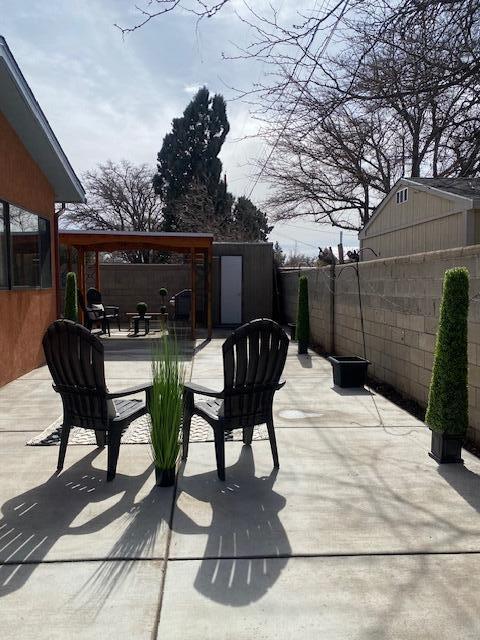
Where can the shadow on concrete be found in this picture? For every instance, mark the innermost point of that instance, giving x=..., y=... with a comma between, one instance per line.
x=127, y=349
x=34, y=521
x=465, y=482
x=247, y=547
x=351, y=391
x=305, y=360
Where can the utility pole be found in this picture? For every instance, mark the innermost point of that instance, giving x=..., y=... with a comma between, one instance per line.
x=340, y=249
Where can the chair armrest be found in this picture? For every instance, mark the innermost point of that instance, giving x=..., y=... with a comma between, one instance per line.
x=130, y=391
x=192, y=387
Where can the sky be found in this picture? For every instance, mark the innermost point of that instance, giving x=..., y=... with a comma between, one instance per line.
x=109, y=96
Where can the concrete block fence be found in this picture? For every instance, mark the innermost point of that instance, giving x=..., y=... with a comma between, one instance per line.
x=401, y=304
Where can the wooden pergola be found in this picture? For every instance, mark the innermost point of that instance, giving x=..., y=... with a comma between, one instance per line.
x=192, y=244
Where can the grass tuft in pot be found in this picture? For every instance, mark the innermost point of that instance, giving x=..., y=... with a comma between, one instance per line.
x=165, y=405
x=447, y=412
x=70, y=311
x=303, y=320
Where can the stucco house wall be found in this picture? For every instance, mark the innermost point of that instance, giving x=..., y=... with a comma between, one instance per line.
x=24, y=313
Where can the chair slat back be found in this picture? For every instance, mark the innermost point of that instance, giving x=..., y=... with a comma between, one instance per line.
x=93, y=296
x=253, y=360
x=75, y=359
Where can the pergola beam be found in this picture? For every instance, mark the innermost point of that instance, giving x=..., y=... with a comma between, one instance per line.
x=191, y=244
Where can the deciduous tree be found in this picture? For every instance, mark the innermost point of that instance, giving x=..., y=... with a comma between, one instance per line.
x=120, y=197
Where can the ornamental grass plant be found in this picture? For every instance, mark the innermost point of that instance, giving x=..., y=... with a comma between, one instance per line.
x=165, y=402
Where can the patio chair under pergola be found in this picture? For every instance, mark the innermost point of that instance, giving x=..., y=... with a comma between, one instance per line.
x=191, y=244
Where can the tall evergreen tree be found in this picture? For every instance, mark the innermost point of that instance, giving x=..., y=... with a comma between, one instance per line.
x=190, y=152
x=251, y=222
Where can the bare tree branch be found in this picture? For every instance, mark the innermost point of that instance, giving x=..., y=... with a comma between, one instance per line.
x=120, y=197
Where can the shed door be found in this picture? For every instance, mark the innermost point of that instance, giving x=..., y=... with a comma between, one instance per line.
x=231, y=290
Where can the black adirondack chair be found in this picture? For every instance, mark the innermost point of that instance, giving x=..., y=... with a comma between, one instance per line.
x=107, y=312
x=182, y=304
x=93, y=319
x=76, y=362
x=253, y=361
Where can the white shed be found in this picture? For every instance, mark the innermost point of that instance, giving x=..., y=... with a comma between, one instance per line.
x=424, y=214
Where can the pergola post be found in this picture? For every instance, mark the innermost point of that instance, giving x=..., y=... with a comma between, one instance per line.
x=189, y=244
x=193, y=305
x=81, y=274
x=97, y=271
x=208, y=276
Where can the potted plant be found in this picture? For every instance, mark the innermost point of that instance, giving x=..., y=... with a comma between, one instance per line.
x=163, y=294
x=142, y=308
x=447, y=411
x=303, y=320
x=165, y=403
x=163, y=317
x=70, y=311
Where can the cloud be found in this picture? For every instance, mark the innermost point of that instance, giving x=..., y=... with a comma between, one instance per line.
x=193, y=88
x=112, y=97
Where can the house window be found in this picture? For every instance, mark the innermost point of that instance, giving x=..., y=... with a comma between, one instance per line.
x=26, y=249
x=45, y=253
x=402, y=195
x=3, y=248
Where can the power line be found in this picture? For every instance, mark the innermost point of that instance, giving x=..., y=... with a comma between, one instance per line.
x=284, y=88
x=307, y=244
x=345, y=233
x=287, y=121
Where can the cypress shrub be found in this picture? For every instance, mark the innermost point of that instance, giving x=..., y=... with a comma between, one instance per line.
x=447, y=410
x=303, y=322
x=70, y=311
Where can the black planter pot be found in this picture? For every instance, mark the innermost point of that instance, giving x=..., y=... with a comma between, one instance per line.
x=164, y=477
x=446, y=448
x=349, y=371
x=302, y=347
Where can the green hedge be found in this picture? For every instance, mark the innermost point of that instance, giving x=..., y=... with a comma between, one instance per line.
x=303, y=320
x=447, y=410
x=70, y=311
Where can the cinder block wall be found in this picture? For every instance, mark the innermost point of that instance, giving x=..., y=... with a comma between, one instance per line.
x=126, y=284
x=401, y=303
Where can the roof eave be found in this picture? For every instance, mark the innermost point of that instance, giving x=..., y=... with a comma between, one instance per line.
x=27, y=119
x=444, y=193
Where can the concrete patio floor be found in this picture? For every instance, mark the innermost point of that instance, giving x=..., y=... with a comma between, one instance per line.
x=358, y=535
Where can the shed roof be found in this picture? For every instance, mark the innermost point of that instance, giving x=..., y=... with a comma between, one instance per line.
x=20, y=108
x=465, y=187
